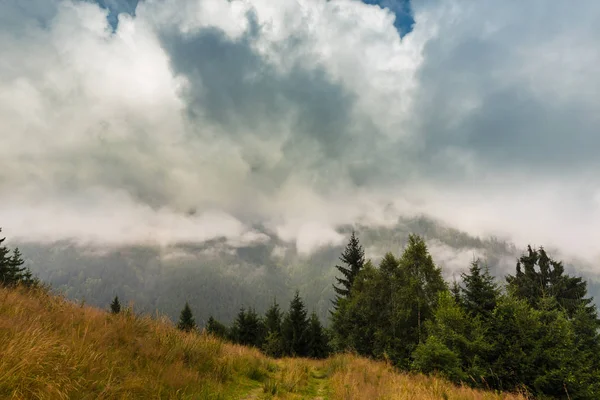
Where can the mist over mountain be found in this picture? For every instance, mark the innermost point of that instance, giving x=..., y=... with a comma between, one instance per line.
x=218, y=279
x=212, y=148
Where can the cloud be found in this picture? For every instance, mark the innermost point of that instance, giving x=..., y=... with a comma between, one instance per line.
x=298, y=115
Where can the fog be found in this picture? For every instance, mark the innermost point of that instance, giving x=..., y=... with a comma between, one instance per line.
x=188, y=120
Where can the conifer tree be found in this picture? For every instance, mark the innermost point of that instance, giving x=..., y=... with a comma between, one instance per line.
x=186, y=319
x=216, y=328
x=273, y=342
x=538, y=276
x=353, y=257
x=12, y=271
x=273, y=345
x=273, y=318
x=247, y=328
x=425, y=279
x=456, y=292
x=294, y=328
x=115, y=306
x=480, y=292
x=21, y=275
x=317, y=340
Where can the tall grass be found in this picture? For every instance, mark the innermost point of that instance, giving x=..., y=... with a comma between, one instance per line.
x=352, y=377
x=51, y=348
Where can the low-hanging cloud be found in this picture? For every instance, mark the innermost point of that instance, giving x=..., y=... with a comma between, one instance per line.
x=195, y=119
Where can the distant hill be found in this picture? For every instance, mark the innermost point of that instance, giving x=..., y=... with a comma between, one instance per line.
x=217, y=279
x=52, y=348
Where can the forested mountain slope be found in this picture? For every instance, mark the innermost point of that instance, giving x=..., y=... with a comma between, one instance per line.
x=217, y=279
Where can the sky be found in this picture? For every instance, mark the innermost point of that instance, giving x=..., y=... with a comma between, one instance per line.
x=184, y=120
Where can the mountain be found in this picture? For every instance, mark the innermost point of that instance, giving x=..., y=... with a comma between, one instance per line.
x=217, y=278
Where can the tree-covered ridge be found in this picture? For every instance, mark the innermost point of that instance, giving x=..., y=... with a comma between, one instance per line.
x=539, y=333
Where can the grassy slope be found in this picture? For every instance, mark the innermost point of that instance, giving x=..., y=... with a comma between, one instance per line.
x=53, y=349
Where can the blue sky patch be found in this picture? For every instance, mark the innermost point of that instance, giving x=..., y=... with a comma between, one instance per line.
x=116, y=7
x=404, y=16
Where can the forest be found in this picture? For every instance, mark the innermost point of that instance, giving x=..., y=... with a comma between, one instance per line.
x=536, y=332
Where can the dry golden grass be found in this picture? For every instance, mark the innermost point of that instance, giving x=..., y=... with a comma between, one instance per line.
x=352, y=378
x=51, y=348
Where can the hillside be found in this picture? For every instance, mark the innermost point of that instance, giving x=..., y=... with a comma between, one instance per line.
x=55, y=349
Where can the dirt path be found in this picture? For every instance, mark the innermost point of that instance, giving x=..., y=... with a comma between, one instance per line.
x=320, y=383
x=316, y=389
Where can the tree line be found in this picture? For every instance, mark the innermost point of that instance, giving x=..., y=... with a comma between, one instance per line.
x=12, y=271
x=277, y=333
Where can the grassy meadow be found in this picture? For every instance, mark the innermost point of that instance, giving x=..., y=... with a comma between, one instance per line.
x=51, y=348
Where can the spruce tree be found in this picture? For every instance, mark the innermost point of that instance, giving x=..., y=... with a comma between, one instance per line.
x=273, y=342
x=294, y=328
x=480, y=292
x=115, y=306
x=273, y=319
x=186, y=319
x=317, y=340
x=12, y=271
x=538, y=276
x=4, y=263
x=21, y=275
x=247, y=328
x=455, y=289
x=353, y=257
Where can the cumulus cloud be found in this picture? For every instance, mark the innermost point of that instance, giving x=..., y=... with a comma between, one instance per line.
x=195, y=119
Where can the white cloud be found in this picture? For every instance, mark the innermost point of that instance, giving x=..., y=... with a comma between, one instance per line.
x=301, y=115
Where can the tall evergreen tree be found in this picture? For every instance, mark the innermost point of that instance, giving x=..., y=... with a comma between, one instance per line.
x=12, y=271
x=317, y=340
x=295, y=328
x=115, y=306
x=480, y=292
x=5, y=262
x=273, y=343
x=455, y=289
x=353, y=257
x=186, y=319
x=356, y=321
x=425, y=279
x=538, y=276
x=247, y=328
x=273, y=318
x=21, y=274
